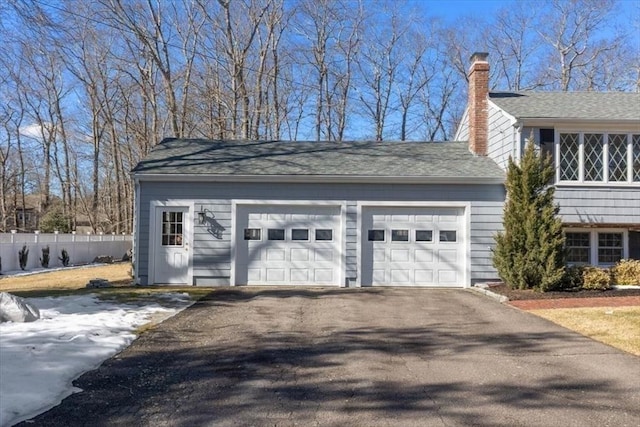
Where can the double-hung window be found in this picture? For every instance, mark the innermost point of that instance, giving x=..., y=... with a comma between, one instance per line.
x=596, y=157
x=595, y=247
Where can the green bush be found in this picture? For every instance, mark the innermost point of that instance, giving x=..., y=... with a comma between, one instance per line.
x=573, y=278
x=529, y=253
x=626, y=272
x=595, y=278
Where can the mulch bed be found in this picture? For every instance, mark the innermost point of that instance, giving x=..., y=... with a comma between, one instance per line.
x=532, y=300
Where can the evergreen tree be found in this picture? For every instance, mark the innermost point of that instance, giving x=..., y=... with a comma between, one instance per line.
x=529, y=253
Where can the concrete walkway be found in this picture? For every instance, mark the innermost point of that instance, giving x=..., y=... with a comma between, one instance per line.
x=391, y=357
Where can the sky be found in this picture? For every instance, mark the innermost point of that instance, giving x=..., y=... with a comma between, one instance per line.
x=75, y=334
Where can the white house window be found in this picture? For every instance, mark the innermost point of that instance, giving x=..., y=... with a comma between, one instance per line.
x=617, y=157
x=569, y=159
x=636, y=158
x=598, y=157
x=593, y=152
x=610, y=249
x=596, y=247
x=578, y=247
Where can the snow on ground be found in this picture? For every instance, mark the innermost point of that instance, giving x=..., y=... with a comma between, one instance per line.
x=75, y=334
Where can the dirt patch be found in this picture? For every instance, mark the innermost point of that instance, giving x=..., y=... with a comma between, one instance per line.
x=71, y=278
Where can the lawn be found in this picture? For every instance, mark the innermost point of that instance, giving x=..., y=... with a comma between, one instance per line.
x=616, y=326
x=73, y=281
x=68, y=278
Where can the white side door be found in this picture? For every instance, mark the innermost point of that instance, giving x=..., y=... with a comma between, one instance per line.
x=171, y=245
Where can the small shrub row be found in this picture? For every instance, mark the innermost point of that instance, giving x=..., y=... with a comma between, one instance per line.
x=23, y=257
x=625, y=272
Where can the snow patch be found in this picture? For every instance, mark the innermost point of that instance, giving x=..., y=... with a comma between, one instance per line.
x=75, y=334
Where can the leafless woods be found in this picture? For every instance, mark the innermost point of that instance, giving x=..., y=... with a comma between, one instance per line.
x=88, y=87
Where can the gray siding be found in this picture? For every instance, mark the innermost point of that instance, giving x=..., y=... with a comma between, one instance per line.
x=501, y=134
x=212, y=241
x=599, y=205
x=462, y=134
x=486, y=221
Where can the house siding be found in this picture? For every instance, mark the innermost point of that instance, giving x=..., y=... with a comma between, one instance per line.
x=501, y=134
x=212, y=243
x=599, y=205
x=462, y=133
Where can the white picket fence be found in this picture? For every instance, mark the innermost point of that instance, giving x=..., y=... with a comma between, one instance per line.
x=82, y=248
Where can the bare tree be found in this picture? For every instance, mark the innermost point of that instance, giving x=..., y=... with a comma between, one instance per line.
x=513, y=44
x=570, y=29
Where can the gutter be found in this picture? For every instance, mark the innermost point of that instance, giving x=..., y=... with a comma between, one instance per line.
x=366, y=179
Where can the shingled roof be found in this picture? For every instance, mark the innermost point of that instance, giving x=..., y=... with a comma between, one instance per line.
x=199, y=157
x=597, y=106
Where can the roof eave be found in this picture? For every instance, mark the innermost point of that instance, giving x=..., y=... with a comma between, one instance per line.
x=564, y=121
x=366, y=179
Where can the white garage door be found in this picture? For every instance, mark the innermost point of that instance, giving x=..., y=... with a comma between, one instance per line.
x=413, y=246
x=288, y=245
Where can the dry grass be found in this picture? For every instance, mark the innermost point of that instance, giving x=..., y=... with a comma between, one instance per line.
x=72, y=278
x=616, y=326
x=74, y=281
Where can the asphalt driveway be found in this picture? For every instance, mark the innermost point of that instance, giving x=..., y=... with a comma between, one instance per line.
x=357, y=357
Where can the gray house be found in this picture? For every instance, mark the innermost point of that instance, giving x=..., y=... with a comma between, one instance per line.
x=594, y=139
x=377, y=213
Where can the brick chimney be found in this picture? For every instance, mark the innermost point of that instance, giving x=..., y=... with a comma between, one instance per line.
x=479, y=104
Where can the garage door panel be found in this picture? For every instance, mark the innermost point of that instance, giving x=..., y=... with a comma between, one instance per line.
x=423, y=255
x=448, y=255
x=254, y=274
x=300, y=275
x=299, y=255
x=324, y=275
x=422, y=246
x=423, y=277
x=326, y=255
x=275, y=255
x=295, y=257
x=447, y=277
x=400, y=276
x=379, y=255
x=276, y=275
x=399, y=255
x=379, y=277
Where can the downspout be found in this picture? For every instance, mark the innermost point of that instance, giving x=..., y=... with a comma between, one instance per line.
x=517, y=141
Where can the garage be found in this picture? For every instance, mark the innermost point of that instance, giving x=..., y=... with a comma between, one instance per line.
x=413, y=246
x=288, y=245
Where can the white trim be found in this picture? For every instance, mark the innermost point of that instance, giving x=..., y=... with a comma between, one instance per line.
x=325, y=179
x=466, y=206
x=188, y=232
x=504, y=112
x=342, y=204
x=135, y=259
x=593, y=241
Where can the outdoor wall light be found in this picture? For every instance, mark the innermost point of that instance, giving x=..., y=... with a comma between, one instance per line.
x=202, y=216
